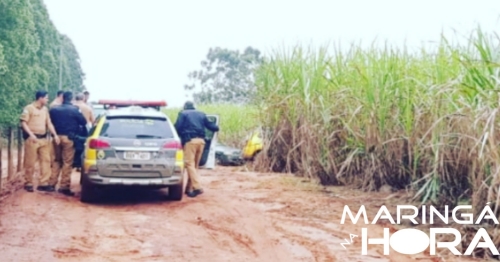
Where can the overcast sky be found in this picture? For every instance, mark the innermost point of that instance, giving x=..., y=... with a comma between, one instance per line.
x=144, y=49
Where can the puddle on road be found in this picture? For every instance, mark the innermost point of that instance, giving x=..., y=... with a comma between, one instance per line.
x=255, y=195
x=271, y=206
x=333, y=243
x=297, y=250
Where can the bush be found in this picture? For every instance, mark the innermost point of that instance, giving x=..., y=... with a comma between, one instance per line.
x=426, y=121
x=387, y=116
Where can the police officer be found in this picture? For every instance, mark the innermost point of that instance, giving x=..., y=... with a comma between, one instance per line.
x=190, y=126
x=58, y=100
x=68, y=121
x=84, y=108
x=86, y=97
x=79, y=141
x=35, y=120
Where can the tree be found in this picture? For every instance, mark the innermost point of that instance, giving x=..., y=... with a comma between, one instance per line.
x=20, y=44
x=227, y=76
x=30, y=48
x=73, y=74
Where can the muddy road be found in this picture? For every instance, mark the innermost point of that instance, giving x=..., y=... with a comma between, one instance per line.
x=242, y=216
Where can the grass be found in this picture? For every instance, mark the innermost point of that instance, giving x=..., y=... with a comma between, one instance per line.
x=422, y=121
x=236, y=122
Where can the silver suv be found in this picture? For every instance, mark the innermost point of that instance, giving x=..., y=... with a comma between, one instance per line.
x=132, y=146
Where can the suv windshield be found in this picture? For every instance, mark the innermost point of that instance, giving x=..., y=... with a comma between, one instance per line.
x=136, y=127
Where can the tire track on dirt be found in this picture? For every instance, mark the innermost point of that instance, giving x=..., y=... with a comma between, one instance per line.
x=242, y=216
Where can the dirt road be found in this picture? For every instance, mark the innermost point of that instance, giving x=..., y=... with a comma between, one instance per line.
x=242, y=216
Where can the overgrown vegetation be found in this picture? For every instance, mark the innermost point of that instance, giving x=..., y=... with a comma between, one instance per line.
x=30, y=52
x=236, y=121
x=426, y=121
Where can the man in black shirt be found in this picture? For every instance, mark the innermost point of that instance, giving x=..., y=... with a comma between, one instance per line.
x=68, y=122
x=190, y=126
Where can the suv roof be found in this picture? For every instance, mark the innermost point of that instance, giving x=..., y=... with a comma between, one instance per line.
x=135, y=111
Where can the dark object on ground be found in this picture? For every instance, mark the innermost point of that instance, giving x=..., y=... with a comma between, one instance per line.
x=228, y=156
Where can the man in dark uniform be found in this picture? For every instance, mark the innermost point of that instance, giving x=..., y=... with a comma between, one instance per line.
x=68, y=122
x=190, y=126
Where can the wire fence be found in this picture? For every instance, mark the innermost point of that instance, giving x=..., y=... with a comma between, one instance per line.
x=11, y=155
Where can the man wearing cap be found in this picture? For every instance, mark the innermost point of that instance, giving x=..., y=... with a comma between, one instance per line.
x=190, y=126
x=68, y=121
x=35, y=121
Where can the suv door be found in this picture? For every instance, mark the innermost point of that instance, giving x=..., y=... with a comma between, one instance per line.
x=208, y=158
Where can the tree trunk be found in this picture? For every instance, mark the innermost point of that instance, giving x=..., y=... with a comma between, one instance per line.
x=1, y=167
x=10, y=164
x=19, y=149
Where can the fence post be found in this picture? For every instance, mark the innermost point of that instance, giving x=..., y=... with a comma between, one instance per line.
x=10, y=163
x=19, y=150
x=1, y=161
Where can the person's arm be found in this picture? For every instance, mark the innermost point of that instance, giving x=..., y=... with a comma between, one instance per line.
x=179, y=123
x=92, y=118
x=27, y=130
x=25, y=117
x=210, y=125
x=80, y=118
x=51, y=128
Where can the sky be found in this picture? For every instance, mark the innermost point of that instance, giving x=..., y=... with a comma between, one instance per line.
x=144, y=49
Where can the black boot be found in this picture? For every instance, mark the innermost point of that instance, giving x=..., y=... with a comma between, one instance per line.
x=66, y=191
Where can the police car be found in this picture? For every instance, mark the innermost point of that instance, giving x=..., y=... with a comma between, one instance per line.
x=136, y=145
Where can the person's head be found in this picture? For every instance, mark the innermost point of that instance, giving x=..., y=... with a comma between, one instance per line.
x=86, y=96
x=67, y=97
x=189, y=105
x=42, y=97
x=59, y=94
x=80, y=97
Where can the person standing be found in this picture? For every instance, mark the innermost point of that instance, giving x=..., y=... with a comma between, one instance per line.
x=79, y=144
x=87, y=96
x=58, y=100
x=35, y=121
x=68, y=121
x=84, y=108
x=190, y=126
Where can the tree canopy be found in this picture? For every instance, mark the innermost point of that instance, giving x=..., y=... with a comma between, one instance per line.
x=226, y=76
x=30, y=57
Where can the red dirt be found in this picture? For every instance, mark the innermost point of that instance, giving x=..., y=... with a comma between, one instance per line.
x=242, y=216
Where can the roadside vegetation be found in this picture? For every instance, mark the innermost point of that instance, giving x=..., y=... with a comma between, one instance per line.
x=426, y=122
x=33, y=56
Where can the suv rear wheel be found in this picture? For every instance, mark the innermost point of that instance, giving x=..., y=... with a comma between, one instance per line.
x=89, y=193
x=175, y=192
